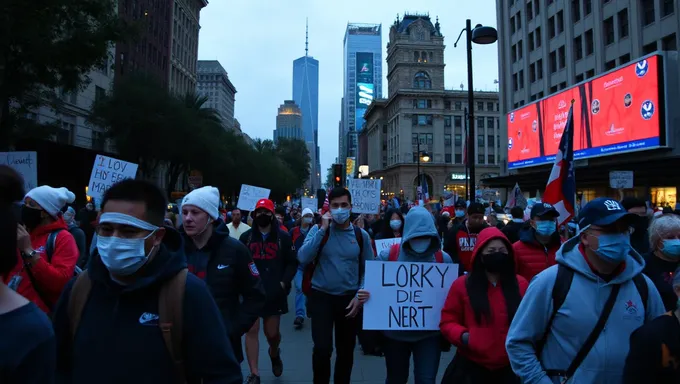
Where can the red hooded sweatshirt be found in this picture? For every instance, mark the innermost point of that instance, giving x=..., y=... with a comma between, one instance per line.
x=486, y=342
x=51, y=277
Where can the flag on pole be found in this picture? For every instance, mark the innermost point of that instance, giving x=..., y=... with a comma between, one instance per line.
x=326, y=206
x=516, y=198
x=561, y=188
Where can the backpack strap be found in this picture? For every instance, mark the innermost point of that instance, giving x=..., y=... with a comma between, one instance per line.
x=394, y=252
x=324, y=240
x=80, y=292
x=439, y=256
x=565, y=275
x=642, y=288
x=51, y=244
x=171, y=316
x=359, y=234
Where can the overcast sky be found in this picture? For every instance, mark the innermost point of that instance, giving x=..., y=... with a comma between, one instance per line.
x=256, y=41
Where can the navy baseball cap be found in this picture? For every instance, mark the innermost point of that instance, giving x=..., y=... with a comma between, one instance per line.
x=460, y=204
x=603, y=211
x=544, y=211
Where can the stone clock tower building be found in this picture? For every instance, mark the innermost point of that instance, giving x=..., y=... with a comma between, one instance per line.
x=420, y=114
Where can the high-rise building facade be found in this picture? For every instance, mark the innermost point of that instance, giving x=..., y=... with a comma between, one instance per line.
x=362, y=81
x=421, y=116
x=184, y=44
x=306, y=95
x=213, y=83
x=288, y=121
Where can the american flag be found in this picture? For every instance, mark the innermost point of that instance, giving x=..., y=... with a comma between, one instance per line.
x=326, y=206
x=561, y=188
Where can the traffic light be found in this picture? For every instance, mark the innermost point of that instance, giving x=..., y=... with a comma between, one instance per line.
x=338, y=175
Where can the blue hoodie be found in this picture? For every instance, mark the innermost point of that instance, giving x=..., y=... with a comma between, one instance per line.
x=119, y=341
x=576, y=319
x=337, y=271
x=417, y=223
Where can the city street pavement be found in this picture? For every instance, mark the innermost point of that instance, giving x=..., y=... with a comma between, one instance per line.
x=296, y=352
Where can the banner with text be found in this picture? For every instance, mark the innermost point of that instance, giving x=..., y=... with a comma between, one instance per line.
x=250, y=195
x=106, y=172
x=406, y=296
x=386, y=244
x=365, y=195
x=25, y=163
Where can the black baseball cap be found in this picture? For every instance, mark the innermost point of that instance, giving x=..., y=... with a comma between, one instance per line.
x=544, y=211
x=475, y=208
x=460, y=204
x=603, y=211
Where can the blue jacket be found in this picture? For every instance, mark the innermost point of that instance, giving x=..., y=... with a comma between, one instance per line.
x=117, y=340
x=417, y=223
x=576, y=319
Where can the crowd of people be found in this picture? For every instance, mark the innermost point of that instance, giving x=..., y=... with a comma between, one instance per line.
x=163, y=296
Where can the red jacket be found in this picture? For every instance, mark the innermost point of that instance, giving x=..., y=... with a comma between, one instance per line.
x=486, y=342
x=531, y=257
x=51, y=277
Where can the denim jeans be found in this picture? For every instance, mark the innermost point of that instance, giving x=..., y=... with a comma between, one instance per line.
x=426, y=354
x=300, y=300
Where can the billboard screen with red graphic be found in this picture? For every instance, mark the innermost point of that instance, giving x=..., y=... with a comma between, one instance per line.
x=614, y=113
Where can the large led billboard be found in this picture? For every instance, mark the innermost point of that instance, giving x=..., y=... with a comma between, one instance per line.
x=365, y=90
x=614, y=113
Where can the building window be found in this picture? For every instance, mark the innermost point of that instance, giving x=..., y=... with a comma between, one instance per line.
x=447, y=121
x=422, y=81
x=579, y=78
x=414, y=139
x=480, y=122
x=578, y=47
x=551, y=27
x=611, y=64
x=590, y=43
x=539, y=73
x=531, y=42
x=458, y=105
x=537, y=7
x=521, y=79
x=458, y=139
x=562, y=57
x=537, y=35
x=447, y=104
x=553, y=62
x=498, y=141
x=489, y=122
x=457, y=121
x=480, y=159
x=667, y=7
x=520, y=50
x=422, y=103
x=430, y=139
x=447, y=158
x=530, y=11
x=622, y=17
x=587, y=7
x=668, y=43
x=576, y=10
x=480, y=105
x=649, y=48
x=99, y=93
x=608, y=26
x=458, y=158
x=447, y=139
x=589, y=74
x=648, y=16
x=560, y=22
x=624, y=59
x=480, y=141
x=421, y=119
x=491, y=159
x=489, y=140
x=489, y=105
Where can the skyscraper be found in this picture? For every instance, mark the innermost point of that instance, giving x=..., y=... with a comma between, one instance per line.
x=362, y=81
x=213, y=83
x=288, y=121
x=306, y=95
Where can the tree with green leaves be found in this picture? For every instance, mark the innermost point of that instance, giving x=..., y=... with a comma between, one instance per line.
x=49, y=45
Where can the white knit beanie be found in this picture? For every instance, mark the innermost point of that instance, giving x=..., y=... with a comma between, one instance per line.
x=52, y=200
x=205, y=198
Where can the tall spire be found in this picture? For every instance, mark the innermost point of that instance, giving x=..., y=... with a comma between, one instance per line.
x=306, y=36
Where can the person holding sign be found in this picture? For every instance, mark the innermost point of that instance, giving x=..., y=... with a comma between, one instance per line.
x=478, y=311
x=460, y=239
x=420, y=243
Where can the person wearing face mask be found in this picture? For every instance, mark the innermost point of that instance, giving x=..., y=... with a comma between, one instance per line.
x=420, y=243
x=298, y=235
x=478, y=312
x=459, y=212
x=78, y=235
x=655, y=347
x=335, y=252
x=460, y=240
x=115, y=323
x=513, y=228
x=27, y=349
x=664, y=256
x=274, y=256
x=639, y=239
x=393, y=225
x=48, y=253
x=223, y=262
x=85, y=219
x=559, y=329
x=538, y=243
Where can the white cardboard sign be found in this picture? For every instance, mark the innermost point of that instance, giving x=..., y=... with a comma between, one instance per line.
x=107, y=171
x=386, y=244
x=621, y=179
x=308, y=202
x=25, y=163
x=365, y=195
x=250, y=195
x=406, y=296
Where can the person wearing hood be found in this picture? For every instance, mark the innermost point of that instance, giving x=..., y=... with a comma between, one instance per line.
x=45, y=266
x=664, y=256
x=639, y=239
x=27, y=350
x=514, y=227
x=420, y=243
x=461, y=238
x=298, y=234
x=224, y=263
x=557, y=331
x=111, y=323
x=478, y=311
x=78, y=236
x=538, y=242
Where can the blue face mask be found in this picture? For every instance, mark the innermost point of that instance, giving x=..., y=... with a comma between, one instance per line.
x=613, y=247
x=671, y=248
x=460, y=213
x=122, y=257
x=545, y=228
x=340, y=215
x=395, y=224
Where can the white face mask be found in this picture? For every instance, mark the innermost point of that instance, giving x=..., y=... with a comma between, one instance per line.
x=307, y=220
x=122, y=257
x=420, y=245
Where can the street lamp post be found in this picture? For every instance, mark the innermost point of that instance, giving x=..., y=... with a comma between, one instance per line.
x=467, y=160
x=479, y=35
x=425, y=158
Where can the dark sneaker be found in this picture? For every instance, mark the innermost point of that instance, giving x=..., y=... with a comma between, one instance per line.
x=253, y=379
x=299, y=322
x=277, y=364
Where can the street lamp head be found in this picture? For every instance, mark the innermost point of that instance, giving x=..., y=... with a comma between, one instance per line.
x=484, y=35
x=425, y=157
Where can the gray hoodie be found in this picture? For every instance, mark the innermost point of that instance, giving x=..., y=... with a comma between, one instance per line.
x=417, y=223
x=337, y=271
